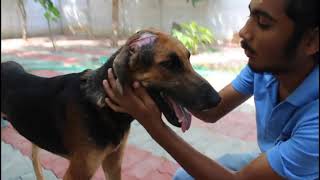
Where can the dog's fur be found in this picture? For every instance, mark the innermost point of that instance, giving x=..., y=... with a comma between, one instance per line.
x=66, y=114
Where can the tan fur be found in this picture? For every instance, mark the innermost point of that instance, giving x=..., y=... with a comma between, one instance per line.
x=83, y=164
x=112, y=163
x=36, y=163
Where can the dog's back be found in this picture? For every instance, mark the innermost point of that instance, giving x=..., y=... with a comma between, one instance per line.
x=46, y=110
x=18, y=86
x=32, y=103
x=14, y=81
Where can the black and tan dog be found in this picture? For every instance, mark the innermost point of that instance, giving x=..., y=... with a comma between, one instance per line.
x=66, y=114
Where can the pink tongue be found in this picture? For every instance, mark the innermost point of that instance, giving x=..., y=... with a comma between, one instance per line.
x=183, y=115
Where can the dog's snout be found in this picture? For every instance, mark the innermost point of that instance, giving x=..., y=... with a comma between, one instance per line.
x=208, y=97
x=195, y=93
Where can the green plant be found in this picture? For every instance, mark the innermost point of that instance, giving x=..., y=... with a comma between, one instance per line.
x=194, y=2
x=192, y=35
x=51, y=12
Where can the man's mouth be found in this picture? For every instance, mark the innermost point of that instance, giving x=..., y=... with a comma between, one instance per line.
x=250, y=53
x=182, y=114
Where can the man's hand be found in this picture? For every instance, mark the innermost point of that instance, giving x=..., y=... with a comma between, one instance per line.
x=134, y=101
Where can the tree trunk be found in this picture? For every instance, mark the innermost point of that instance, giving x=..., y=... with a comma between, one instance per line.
x=23, y=18
x=51, y=35
x=160, y=2
x=61, y=18
x=89, y=25
x=115, y=22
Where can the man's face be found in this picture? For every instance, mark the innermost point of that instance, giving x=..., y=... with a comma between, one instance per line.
x=266, y=36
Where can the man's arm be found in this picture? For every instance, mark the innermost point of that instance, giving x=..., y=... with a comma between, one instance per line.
x=202, y=167
x=139, y=104
x=230, y=99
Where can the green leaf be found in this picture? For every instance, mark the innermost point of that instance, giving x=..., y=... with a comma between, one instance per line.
x=193, y=35
x=51, y=12
x=56, y=12
x=47, y=15
x=193, y=2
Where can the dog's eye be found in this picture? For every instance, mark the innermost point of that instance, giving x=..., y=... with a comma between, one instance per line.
x=174, y=64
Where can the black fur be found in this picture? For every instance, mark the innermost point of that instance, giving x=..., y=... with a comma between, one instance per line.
x=36, y=107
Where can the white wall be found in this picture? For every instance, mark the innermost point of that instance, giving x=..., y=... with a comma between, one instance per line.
x=9, y=19
x=227, y=16
x=223, y=17
x=36, y=23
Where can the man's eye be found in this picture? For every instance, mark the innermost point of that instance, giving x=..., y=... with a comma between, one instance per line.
x=263, y=22
x=264, y=26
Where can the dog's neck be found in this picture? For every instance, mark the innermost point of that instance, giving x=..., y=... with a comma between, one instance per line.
x=91, y=83
x=92, y=89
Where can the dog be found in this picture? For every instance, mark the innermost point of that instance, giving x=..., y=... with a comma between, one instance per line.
x=67, y=114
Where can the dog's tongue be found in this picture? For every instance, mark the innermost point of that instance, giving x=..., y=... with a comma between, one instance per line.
x=182, y=114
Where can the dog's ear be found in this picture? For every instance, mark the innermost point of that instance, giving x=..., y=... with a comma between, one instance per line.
x=128, y=56
x=124, y=59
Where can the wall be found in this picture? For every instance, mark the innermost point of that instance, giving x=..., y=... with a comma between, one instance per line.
x=36, y=23
x=223, y=17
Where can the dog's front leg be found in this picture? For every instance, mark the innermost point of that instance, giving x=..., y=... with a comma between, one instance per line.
x=112, y=163
x=36, y=163
x=83, y=165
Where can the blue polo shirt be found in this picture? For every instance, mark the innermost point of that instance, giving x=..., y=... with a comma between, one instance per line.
x=288, y=132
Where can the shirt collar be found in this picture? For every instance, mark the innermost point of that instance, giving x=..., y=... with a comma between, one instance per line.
x=270, y=79
x=307, y=91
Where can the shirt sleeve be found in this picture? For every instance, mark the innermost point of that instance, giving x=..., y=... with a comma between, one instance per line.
x=298, y=157
x=243, y=83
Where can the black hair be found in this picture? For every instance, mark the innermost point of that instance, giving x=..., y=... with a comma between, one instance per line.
x=304, y=14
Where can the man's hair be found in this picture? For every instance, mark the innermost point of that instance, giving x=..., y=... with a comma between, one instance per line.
x=304, y=14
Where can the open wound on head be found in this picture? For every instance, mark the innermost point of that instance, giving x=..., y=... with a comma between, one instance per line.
x=253, y=2
x=144, y=39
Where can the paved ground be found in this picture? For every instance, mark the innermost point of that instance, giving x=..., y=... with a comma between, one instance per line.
x=144, y=158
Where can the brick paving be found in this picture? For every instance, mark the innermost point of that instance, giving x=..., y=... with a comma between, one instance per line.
x=144, y=158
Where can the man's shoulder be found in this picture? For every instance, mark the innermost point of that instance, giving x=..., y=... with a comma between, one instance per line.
x=308, y=115
x=311, y=108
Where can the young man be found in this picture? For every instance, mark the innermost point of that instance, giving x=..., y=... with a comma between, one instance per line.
x=281, y=40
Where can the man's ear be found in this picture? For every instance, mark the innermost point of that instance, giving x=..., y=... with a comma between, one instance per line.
x=312, y=42
x=121, y=66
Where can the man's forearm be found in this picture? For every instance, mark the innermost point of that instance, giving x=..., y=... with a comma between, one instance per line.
x=197, y=164
x=230, y=99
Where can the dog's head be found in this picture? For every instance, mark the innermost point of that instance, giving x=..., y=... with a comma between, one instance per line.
x=161, y=64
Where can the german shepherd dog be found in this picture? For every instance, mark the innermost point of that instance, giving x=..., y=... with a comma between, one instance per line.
x=67, y=115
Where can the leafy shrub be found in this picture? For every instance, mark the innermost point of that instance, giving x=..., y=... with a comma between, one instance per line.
x=192, y=35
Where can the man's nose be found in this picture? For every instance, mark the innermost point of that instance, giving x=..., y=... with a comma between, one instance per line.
x=245, y=32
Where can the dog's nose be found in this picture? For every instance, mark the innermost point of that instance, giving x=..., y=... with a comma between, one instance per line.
x=214, y=100
x=208, y=97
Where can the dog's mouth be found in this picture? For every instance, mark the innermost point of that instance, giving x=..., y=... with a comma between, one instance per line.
x=181, y=113
x=175, y=113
